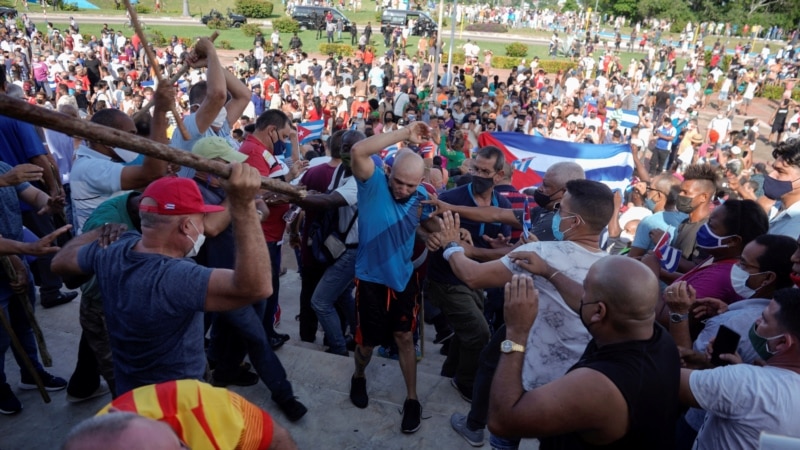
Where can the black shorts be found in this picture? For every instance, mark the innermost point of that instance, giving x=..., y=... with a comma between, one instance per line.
x=382, y=311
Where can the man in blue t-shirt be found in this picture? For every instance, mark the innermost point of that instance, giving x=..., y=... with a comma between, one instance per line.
x=387, y=300
x=153, y=296
x=665, y=134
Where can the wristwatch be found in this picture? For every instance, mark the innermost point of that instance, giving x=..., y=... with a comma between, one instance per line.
x=678, y=318
x=451, y=244
x=511, y=346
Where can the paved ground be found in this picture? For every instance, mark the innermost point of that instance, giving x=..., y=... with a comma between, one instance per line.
x=320, y=380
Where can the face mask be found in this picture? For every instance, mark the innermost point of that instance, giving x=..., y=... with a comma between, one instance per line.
x=650, y=204
x=220, y=119
x=739, y=279
x=412, y=117
x=761, y=344
x=125, y=155
x=580, y=314
x=505, y=113
x=775, y=189
x=541, y=198
x=708, y=240
x=482, y=184
x=684, y=204
x=360, y=115
x=196, y=244
x=556, y=227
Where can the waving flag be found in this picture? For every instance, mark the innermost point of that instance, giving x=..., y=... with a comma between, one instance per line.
x=626, y=118
x=669, y=257
x=526, y=218
x=308, y=131
x=611, y=164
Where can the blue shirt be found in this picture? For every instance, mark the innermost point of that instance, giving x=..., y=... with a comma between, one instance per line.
x=10, y=213
x=386, y=231
x=19, y=143
x=154, y=312
x=190, y=121
x=667, y=221
x=439, y=269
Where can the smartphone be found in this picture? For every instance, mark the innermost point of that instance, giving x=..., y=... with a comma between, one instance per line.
x=727, y=341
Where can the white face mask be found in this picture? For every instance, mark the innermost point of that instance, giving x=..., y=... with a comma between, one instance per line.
x=220, y=119
x=125, y=155
x=739, y=279
x=196, y=244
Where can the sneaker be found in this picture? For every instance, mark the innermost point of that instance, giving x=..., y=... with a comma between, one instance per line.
x=459, y=423
x=464, y=393
x=445, y=336
x=293, y=409
x=60, y=299
x=243, y=378
x=388, y=353
x=358, y=392
x=51, y=383
x=99, y=392
x=412, y=413
x=9, y=403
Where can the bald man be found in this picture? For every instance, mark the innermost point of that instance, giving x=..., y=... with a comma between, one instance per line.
x=622, y=393
x=387, y=295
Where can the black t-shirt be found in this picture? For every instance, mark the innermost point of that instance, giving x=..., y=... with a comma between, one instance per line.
x=92, y=69
x=780, y=116
x=661, y=99
x=647, y=373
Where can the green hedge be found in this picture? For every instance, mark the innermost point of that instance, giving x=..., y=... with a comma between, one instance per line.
x=338, y=49
x=250, y=29
x=257, y=9
x=775, y=92
x=286, y=25
x=217, y=24
x=458, y=58
x=517, y=49
x=505, y=62
x=553, y=66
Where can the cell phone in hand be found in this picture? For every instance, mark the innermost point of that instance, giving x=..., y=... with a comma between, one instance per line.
x=727, y=341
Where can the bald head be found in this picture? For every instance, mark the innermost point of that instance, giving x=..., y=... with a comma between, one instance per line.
x=627, y=287
x=561, y=172
x=408, y=163
x=669, y=185
x=121, y=430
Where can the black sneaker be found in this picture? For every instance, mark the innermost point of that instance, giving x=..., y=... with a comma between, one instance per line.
x=60, y=299
x=293, y=409
x=243, y=378
x=412, y=413
x=50, y=382
x=9, y=403
x=464, y=393
x=278, y=340
x=358, y=392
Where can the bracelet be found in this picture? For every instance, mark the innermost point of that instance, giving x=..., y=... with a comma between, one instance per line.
x=450, y=251
x=550, y=278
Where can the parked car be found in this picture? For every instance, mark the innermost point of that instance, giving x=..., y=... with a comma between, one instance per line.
x=424, y=25
x=7, y=12
x=233, y=20
x=305, y=15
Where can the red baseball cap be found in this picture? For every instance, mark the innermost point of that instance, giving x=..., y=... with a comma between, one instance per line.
x=176, y=197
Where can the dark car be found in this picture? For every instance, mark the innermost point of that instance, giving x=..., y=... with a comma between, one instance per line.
x=423, y=23
x=233, y=20
x=5, y=12
x=305, y=16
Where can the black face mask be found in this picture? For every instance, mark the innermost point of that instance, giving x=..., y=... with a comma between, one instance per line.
x=401, y=200
x=481, y=184
x=775, y=189
x=684, y=204
x=541, y=198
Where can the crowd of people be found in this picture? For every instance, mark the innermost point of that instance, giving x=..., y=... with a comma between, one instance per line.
x=552, y=303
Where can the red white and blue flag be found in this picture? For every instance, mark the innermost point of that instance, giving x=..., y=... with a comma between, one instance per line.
x=531, y=156
x=308, y=131
x=669, y=257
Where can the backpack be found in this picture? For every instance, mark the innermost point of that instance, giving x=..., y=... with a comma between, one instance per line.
x=325, y=241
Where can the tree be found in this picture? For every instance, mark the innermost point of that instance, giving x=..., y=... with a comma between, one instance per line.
x=570, y=5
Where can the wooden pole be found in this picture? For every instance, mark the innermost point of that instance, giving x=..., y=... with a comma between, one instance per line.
x=156, y=68
x=179, y=74
x=21, y=110
x=26, y=361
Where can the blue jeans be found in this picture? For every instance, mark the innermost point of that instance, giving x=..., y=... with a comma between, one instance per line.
x=336, y=280
x=272, y=301
x=22, y=328
x=241, y=331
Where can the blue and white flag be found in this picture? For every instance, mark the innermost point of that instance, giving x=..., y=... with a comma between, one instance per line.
x=611, y=164
x=308, y=131
x=628, y=119
x=669, y=257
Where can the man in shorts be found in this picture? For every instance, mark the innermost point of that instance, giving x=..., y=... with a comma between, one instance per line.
x=387, y=294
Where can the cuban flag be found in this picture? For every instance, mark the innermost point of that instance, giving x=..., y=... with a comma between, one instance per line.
x=669, y=256
x=390, y=150
x=526, y=218
x=610, y=164
x=627, y=120
x=308, y=131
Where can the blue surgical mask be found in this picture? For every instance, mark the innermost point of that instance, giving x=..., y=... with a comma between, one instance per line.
x=557, y=233
x=650, y=204
x=708, y=240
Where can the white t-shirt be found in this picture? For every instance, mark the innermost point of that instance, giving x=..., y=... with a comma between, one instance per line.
x=348, y=189
x=744, y=400
x=557, y=338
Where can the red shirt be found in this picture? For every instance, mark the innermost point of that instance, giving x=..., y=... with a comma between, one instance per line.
x=262, y=159
x=270, y=81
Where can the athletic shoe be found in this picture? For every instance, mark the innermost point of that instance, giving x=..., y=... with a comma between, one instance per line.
x=459, y=423
x=99, y=392
x=358, y=392
x=388, y=353
x=9, y=403
x=293, y=409
x=50, y=382
x=465, y=394
x=412, y=413
x=243, y=378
